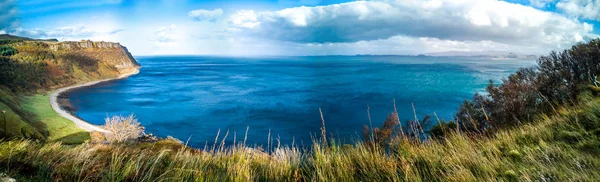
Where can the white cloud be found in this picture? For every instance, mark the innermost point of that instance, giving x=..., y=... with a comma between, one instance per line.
x=494, y=21
x=165, y=35
x=244, y=19
x=585, y=9
x=540, y=3
x=8, y=15
x=206, y=15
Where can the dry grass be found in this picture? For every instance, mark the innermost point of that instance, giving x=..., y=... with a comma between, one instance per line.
x=531, y=152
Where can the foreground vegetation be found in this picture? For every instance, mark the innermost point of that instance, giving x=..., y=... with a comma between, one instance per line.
x=558, y=148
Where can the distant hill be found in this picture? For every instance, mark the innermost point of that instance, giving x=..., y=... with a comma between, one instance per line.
x=484, y=55
x=17, y=38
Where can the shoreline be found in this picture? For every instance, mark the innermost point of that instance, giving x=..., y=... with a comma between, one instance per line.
x=80, y=123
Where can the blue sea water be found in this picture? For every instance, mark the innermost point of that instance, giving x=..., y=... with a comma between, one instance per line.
x=193, y=97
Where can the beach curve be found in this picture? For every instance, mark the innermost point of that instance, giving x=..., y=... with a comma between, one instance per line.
x=79, y=122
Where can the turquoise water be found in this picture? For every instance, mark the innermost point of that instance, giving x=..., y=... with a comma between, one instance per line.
x=193, y=97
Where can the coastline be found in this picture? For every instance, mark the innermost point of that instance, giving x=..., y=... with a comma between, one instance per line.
x=68, y=115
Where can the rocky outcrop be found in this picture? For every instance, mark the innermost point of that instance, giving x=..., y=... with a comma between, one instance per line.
x=112, y=54
x=60, y=64
x=84, y=44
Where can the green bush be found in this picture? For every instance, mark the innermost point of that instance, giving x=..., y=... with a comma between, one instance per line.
x=441, y=129
x=21, y=75
x=7, y=50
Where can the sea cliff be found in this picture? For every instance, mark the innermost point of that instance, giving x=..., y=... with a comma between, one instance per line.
x=77, y=61
x=31, y=69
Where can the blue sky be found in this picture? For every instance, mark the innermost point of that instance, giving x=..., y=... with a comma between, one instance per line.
x=309, y=27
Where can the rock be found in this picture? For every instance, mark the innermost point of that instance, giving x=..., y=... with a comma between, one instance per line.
x=148, y=138
x=174, y=139
x=84, y=44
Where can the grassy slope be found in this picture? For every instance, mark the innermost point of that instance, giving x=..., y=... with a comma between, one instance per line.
x=19, y=122
x=35, y=114
x=14, y=122
x=559, y=148
x=59, y=128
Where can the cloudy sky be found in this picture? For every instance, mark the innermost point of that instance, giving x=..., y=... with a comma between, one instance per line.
x=309, y=27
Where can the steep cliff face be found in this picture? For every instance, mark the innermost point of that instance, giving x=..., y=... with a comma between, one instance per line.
x=110, y=53
x=70, y=62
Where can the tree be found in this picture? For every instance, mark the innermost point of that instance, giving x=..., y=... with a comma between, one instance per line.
x=123, y=129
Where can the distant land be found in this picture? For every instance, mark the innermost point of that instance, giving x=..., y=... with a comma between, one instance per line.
x=494, y=55
x=6, y=37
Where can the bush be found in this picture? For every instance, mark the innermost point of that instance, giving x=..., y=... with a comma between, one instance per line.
x=472, y=115
x=97, y=137
x=441, y=129
x=381, y=136
x=21, y=75
x=7, y=51
x=122, y=129
x=557, y=80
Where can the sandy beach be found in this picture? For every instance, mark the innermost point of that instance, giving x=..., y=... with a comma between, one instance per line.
x=79, y=122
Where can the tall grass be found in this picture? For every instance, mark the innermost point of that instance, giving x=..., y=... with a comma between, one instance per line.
x=563, y=147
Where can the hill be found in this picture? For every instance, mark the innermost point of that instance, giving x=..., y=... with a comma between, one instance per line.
x=7, y=37
x=31, y=68
x=499, y=55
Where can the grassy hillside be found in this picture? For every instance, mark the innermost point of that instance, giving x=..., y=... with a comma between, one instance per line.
x=30, y=69
x=59, y=128
x=34, y=118
x=558, y=148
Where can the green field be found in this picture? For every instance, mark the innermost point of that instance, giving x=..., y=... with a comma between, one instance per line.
x=33, y=117
x=59, y=128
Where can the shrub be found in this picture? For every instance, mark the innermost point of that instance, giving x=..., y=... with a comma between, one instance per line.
x=472, y=115
x=381, y=136
x=7, y=51
x=441, y=129
x=123, y=129
x=516, y=100
x=97, y=137
x=557, y=80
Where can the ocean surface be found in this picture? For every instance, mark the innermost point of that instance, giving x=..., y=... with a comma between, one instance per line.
x=191, y=98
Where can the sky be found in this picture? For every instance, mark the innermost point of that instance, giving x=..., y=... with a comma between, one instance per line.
x=309, y=27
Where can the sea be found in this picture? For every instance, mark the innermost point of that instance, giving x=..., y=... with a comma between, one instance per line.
x=277, y=100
